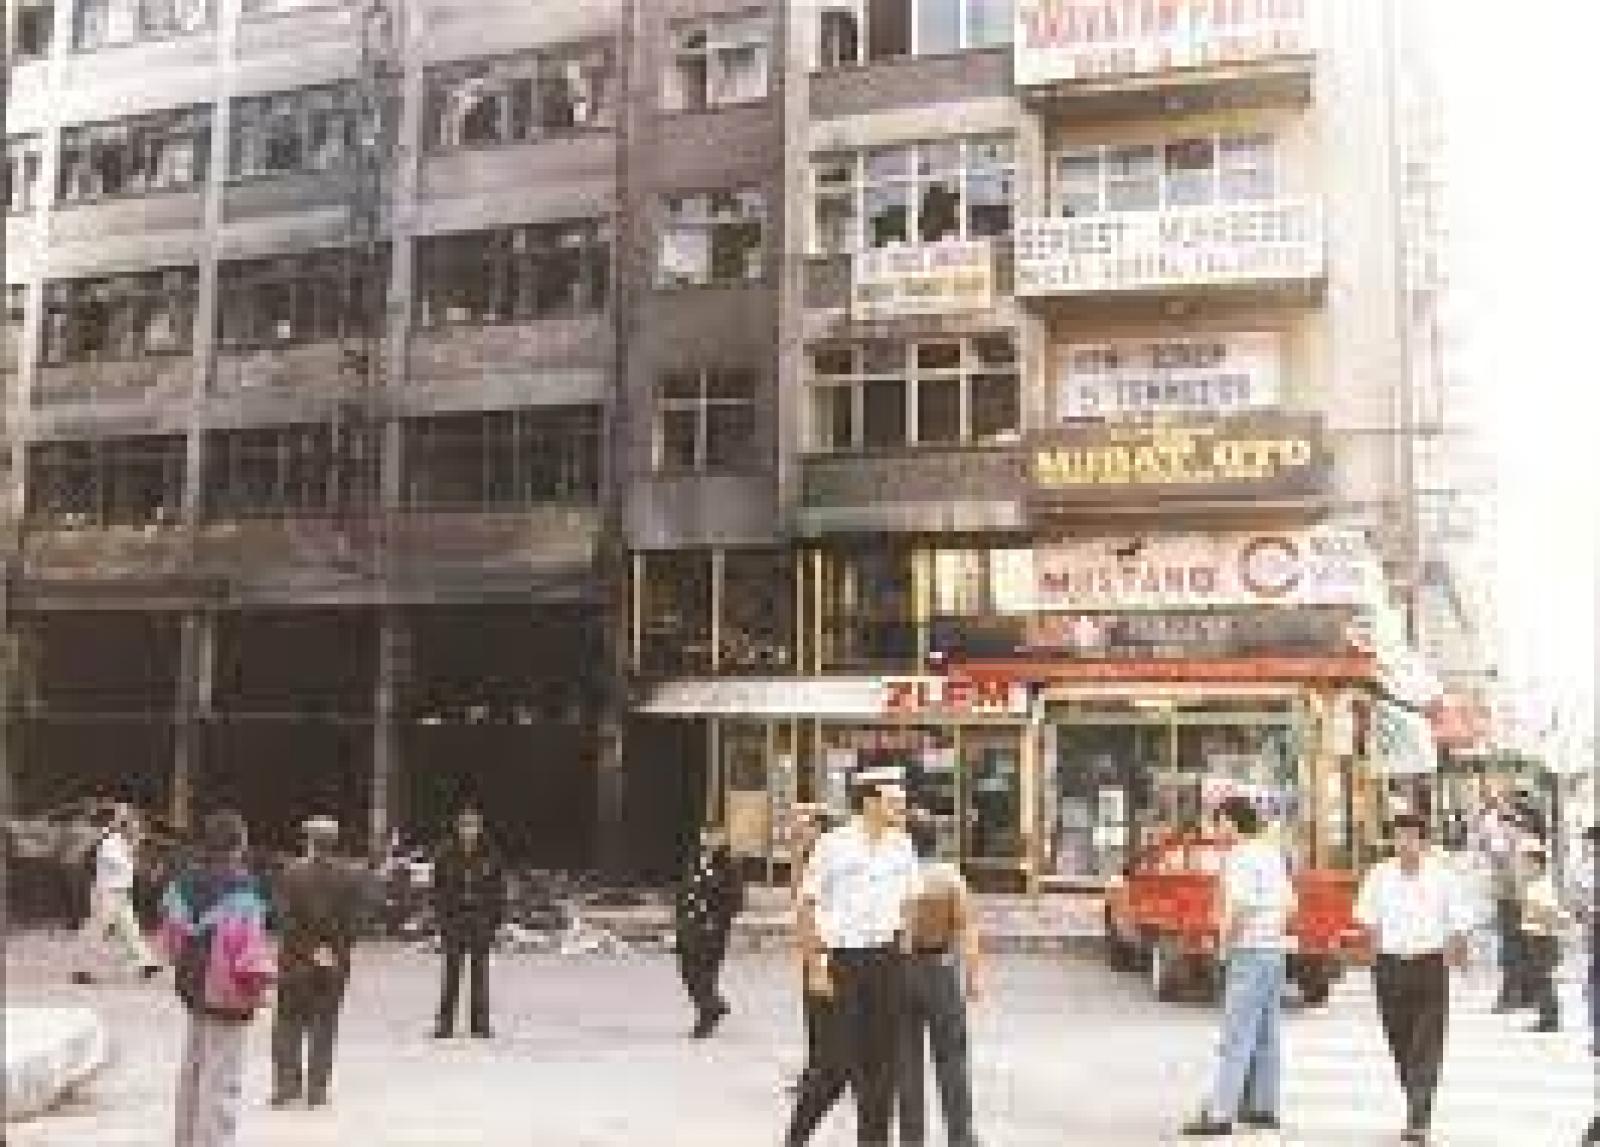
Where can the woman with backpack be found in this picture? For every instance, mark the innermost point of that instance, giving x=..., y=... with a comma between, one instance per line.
x=213, y=929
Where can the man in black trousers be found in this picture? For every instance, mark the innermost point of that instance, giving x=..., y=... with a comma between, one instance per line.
x=469, y=893
x=317, y=900
x=708, y=899
x=853, y=901
x=1418, y=925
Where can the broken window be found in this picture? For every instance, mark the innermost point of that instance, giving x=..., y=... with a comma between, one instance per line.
x=705, y=419
x=34, y=27
x=305, y=297
x=110, y=482
x=119, y=317
x=519, y=98
x=503, y=459
x=717, y=63
x=282, y=471
x=24, y=158
x=514, y=274
x=1188, y=172
x=162, y=151
x=105, y=23
x=712, y=237
x=312, y=129
x=675, y=612
x=854, y=31
x=756, y=630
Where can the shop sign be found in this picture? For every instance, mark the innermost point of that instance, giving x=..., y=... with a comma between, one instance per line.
x=1255, y=456
x=1232, y=670
x=1188, y=633
x=1059, y=41
x=922, y=279
x=1220, y=374
x=1319, y=565
x=953, y=696
x=1276, y=241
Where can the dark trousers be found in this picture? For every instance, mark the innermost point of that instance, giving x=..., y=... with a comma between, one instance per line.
x=476, y=953
x=700, y=957
x=1513, y=974
x=1414, y=1005
x=305, y=1025
x=1542, y=956
x=934, y=1011
x=858, y=1047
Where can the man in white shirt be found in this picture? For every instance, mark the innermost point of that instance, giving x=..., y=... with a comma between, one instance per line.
x=111, y=913
x=1418, y=924
x=1257, y=901
x=851, y=914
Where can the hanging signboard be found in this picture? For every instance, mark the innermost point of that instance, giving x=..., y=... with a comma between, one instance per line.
x=922, y=279
x=1189, y=633
x=1211, y=374
x=1060, y=41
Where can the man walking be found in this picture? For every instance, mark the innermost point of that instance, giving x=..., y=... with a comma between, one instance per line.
x=852, y=909
x=1257, y=901
x=708, y=899
x=1419, y=927
x=942, y=972
x=111, y=912
x=318, y=907
x=469, y=900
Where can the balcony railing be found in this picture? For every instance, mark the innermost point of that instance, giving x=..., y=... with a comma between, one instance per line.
x=1281, y=241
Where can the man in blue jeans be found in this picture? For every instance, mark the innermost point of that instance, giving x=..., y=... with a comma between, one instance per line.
x=1257, y=901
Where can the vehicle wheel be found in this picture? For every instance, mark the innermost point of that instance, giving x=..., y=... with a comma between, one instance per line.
x=1120, y=954
x=1315, y=984
x=1166, y=979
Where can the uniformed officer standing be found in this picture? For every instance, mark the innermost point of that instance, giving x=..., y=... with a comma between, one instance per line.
x=318, y=904
x=709, y=897
x=469, y=899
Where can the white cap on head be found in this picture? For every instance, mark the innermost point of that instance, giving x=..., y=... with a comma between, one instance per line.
x=320, y=825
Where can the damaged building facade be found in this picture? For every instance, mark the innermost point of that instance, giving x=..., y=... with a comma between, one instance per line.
x=720, y=399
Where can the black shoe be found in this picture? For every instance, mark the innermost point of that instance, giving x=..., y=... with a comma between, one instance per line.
x=281, y=1099
x=482, y=1033
x=443, y=1033
x=1205, y=1127
x=150, y=971
x=1501, y=1007
x=1260, y=1121
x=317, y=1099
x=1543, y=1027
x=83, y=979
x=1414, y=1135
x=703, y=1026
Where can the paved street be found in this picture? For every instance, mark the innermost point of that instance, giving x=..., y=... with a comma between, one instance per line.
x=591, y=1053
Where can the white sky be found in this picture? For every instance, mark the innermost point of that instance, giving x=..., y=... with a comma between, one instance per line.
x=1517, y=81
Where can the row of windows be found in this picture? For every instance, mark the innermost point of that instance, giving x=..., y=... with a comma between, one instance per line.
x=499, y=460
x=862, y=31
x=109, y=23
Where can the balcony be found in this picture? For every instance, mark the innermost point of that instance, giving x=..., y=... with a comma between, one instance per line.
x=1136, y=58
x=1269, y=245
x=132, y=566
x=939, y=489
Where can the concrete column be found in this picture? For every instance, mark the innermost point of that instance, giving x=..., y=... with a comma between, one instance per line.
x=197, y=661
x=394, y=659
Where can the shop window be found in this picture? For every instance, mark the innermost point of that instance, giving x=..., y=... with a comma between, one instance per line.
x=513, y=274
x=16, y=328
x=960, y=188
x=313, y=129
x=675, y=612
x=1186, y=172
x=309, y=297
x=891, y=395
x=715, y=237
x=521, y=98
x=120, y=318
x=110, y=482
x=502, y=460
x=705, y=419
x=991, y=779
x=33, y=30
x=106, y=23
x=756, y=630
x=24, y=160
x=867, y=615
x=163, y=151
x=285, y=471
x=718, y=63
x=854, y=31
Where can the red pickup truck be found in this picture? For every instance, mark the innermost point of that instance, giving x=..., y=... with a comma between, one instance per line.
x=1162, y=917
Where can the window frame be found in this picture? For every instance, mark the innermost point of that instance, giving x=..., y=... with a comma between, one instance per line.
x=710, y=221
x=510, y=446
x=863, y=55
x=699, y=406
x=24, y=152
x=321, y=271
x=132, y=298
x=142, y=141
x=1217, y=141
x=863, y=373
x=302, y=105
x=16, y=333
x=14, y=29
x=595, y=58
x=107, y=470
x=138, y=16
x=502, y=265
x=719, y=40
x=971, y=167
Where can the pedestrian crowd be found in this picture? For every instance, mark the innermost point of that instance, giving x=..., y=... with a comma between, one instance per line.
x=889, y=956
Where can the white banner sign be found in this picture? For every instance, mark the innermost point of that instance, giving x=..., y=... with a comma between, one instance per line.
x=1317, y=566
x=1064, y=40
x=1281, y=240
x=922, y=279
x=1212, y=374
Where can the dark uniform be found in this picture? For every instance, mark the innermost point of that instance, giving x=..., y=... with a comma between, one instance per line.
x=318, y=904
x=469, y=891
x=708, y=899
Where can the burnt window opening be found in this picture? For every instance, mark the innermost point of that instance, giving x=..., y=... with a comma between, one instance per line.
x=162, y=151
x=34, y=29
x=712, y=237
x=514, y=274
x=521, y=98
x=719, y=62
x=312, y=296
x=109, y=482
x=675, y=601
x=318, y=129
x=505, y=459
x=146, y=315
x=705, y=420
x=286, y=471
x=756, y=632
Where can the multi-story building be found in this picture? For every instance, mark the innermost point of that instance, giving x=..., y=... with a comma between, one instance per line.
x=710, y=400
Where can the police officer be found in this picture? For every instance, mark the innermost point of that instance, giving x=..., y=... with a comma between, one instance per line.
x=469, y=894
x=709, y=897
